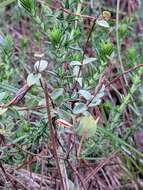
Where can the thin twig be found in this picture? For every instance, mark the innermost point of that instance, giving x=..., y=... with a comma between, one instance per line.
x=103, y=163
x=12, y=179
x=84, y=51
x=75, y=14
x=98, y=88
x=18, y=181
x=106, y=179
x=76, y=172
x=122, y=74
x=42, y=172
x=25, y=163
x=101, y=83
x=6, y=175
x=31, y=153
x=80, y=145
x=52, y=132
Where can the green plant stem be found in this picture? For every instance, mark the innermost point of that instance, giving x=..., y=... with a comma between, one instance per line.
x=118, y=42
x=79, y=6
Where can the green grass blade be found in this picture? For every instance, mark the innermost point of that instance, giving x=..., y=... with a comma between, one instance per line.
x=120, y=142
x=4, y=3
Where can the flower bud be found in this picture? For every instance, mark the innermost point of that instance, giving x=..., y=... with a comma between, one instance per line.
x=106, y=48
x=132, y=54
x=123, y=29
x=55, y=35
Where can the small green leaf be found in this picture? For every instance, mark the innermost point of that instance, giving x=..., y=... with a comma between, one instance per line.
x=98, y=98
x=102, y=23
x=3, y=110
x=76, y=70
x=89, y=60
x=33, y=79
x=1, y=39
x=85, y=94
x=85, y=61
x=76, y=73
x=41, y=65
x=2, y=95
x=2, y=131
x=99, y=95
x=57, y=93
x=87, y=126
x=74, y=63
x=95, y=103
x=79, y=108
x=71, y=185
x=79, y=80
x=64, y=115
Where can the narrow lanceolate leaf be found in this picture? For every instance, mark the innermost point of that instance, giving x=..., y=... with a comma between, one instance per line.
x=33, y=79
x=85, y=94
x=28, y=5
x=79, y=80
x=76, y=70
x=41, y=65
x=75, y=63
x=64, y=114
x=86, y=61
x=57, y=93
x=98, y=98
x=18, y=97
x=102, y=23
x=79, y=108
x=89, y=60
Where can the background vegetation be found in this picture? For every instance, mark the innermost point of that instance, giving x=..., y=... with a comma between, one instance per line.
x=71, y=97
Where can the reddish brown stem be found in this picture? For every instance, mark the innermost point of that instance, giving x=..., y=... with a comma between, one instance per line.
x=52, y=132
x=103, y=163
x=113, y=81
x=84, y=51
x=78, y=175
x=122, y=74
x=79, y=15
